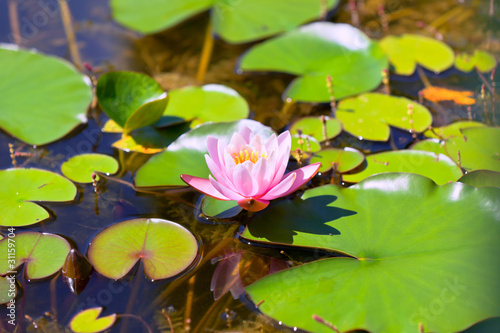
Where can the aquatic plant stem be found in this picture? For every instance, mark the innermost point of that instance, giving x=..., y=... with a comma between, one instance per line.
x=165, y=314
x=128, y=315
x=423, y=78
x=14, y=22
x=210, y=310
x=206, y=54
x=130, y=304
x=70, y=33
x=53, y=296
x=189, y=304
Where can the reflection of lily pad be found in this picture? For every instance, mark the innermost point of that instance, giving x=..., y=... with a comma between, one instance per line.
x=478, y=147
x=81, y=167
x=342, y=159
x=22, y=187
x=369, y=115
x=484, y=61
x=87, y=321
x=440, y=168
x=481, y=178
x=422, y=254
x=235, y=21
x=452, y=129
x=165, y=248
x=186, y=155
x=313, y=126
x=407, y=51
x=44, y=254
x=42, y=98
x=315, y=51
x=212, y=102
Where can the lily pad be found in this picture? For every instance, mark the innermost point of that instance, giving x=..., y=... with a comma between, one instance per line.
x=44, y=97
x=420, y=254
x=440, y=168
x=87, y=321
x=165, y=248
x=481, y=178
x=479, y=148
x=407, y=51
x=433, y=145
x=369, y=116
x=212, y=102
x=132, y=100
x=315, y=51
x=343, y=160
x=481, y=60
x=22, y=187
x=43, y=253
x=81, y=167
x=218, y=208
x=306, y=144
x=6, y=291
x=234, y=21
x=313, y=126
x=186, y=155
x=452, y=130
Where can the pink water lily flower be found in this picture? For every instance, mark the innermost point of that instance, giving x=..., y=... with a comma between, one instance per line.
x=250, y=170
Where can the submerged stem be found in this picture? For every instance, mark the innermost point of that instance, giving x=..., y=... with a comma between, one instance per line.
x=70, y=33
x=14, y=22
x=206, y=54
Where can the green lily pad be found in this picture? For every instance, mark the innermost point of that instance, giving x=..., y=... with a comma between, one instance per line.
x=481, y=178
x=8, y=291
x=315, y=51
x=22, y=187
x=407, y=51
x=306, y=144
x=478, y=148
x=186, y=155
x=421, y=254
x=433, y=145
x=44, y=254
x=484, y=61
x=132, y=100
x=235, y=21
x=212, y=102
x=452, y=129
x=368, y=116
x=165, y=248
x=44, y=97
x=81, y=167
x=87, y=321
x=440, y=168
x=218, y=208
x=313, y=126
x=344, y=160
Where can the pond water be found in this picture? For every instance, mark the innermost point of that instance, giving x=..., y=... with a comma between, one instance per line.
x=172, y=57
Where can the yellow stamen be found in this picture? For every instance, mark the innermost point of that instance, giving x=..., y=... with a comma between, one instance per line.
x=245, y=155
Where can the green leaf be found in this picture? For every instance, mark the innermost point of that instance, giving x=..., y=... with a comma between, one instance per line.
x=484, y=61
x=421, y=253
x=165, y=248
x=145, y=115
x=22, y=187
x=452, y=129
x=212, y=102
x=186, y=155
x=478, y=148
x=306, y=144
x=315, y=51
x=86, y=321
x=235, y=21
x=440, y=168
x=81, y=167
x=369, y=115
x=343, y=160
x=433, y=145
x=8, y=291
x=481, y=178
x=44, y=254
x=42, y=98
x=218, y=208
x=313, y=126
x=407, y=51
x=122, y=94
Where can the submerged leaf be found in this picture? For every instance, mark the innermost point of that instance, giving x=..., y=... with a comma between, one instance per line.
x=439, y=94
x=76, y=271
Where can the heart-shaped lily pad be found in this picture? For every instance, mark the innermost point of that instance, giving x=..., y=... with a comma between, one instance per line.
x=186, y=155
x=235, y=21
x=342, y=160
x=481, y=60
x=87, y=321
x=481, y=178
x=81, y=167
x=421, y=254
x=478, y=147
x=42, y=98
x=407, y=51
x=440, y=168
x=452, y=129
x=22, y=187
x=313, y=126
x=433, y=145
x=44, y=254
x=212, y=102
x=165, y=248
x=369, y=115
x=315, y=51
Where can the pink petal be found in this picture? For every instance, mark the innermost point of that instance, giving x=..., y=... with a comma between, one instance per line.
x=218, y=173
x=204, y=186
x=271, y=144
x=243, y=180
x=263, y=175
x=222, y=188
x=283, y=187
x=246, y=133
x=213, y=149
x=283, y=155
x=303, y=175
x=253, y=204
x=237, y=140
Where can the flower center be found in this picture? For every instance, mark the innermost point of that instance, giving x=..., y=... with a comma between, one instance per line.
x=246, y=155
